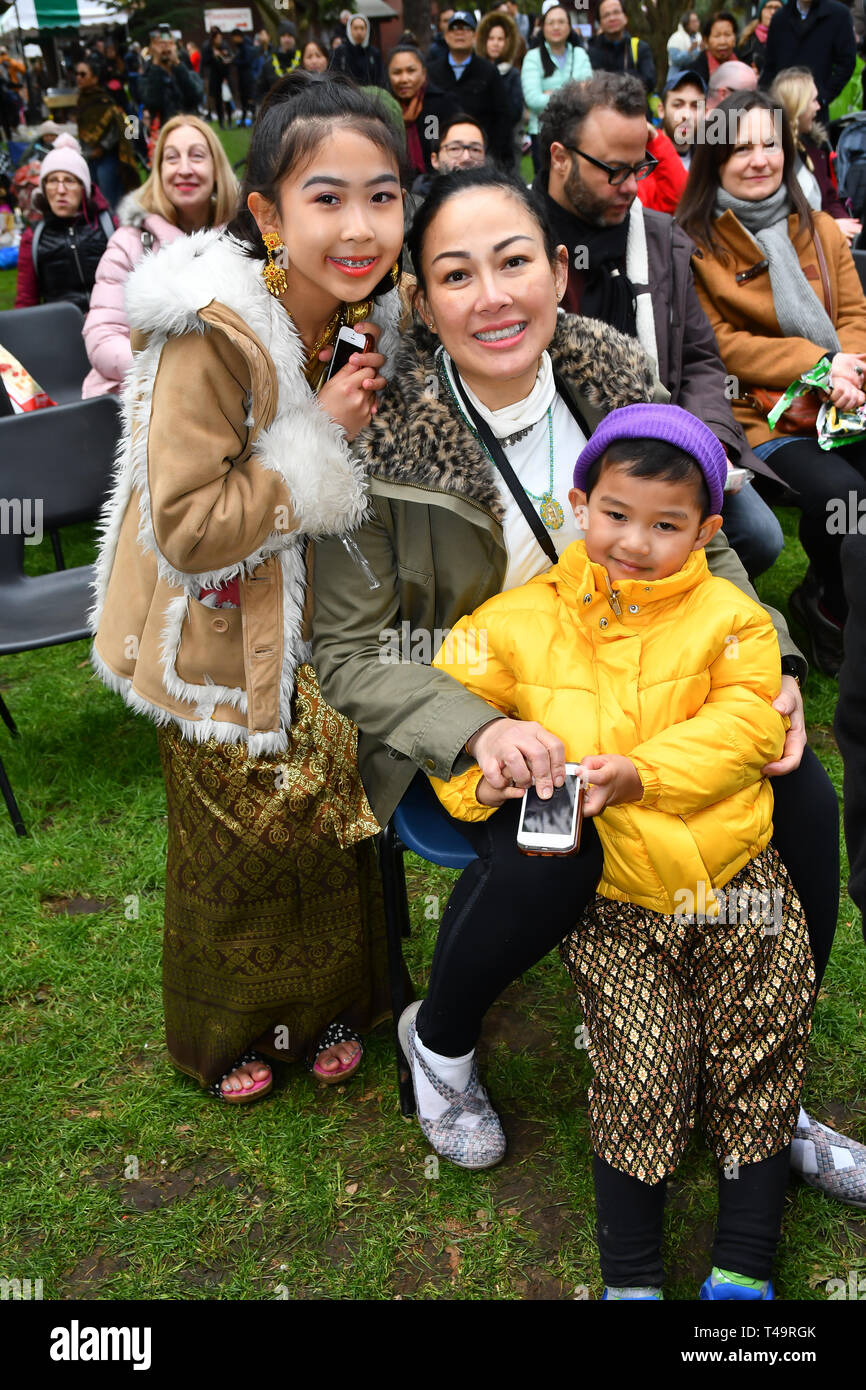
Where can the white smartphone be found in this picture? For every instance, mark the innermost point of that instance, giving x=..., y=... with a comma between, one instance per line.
x=553, y=826
x=347, y=342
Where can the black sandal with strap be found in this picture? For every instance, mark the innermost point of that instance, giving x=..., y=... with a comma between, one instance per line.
x=254, y=1092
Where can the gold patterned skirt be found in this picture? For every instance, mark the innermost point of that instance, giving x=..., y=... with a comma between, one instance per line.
x=685, y=1018
x=274, y=918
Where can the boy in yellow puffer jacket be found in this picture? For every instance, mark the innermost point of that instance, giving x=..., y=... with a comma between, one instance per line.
x=693, y=965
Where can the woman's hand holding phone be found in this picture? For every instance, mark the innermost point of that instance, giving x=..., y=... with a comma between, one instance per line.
x=514, y=753
x=350, y=396
x=611, y=781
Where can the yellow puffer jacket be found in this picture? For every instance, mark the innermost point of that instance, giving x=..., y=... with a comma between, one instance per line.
x=680, y=680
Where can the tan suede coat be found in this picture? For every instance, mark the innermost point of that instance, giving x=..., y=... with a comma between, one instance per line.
x=744, y=319
x=227, y=465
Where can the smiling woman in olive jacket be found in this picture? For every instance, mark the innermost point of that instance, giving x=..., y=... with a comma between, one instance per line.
x=442, y=535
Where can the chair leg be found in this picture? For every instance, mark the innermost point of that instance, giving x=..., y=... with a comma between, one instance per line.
x=11, y=803
x=397, y=926
x=58, y=552
x=7, y=719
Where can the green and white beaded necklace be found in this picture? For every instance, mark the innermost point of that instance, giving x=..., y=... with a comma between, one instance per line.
x=548, y=507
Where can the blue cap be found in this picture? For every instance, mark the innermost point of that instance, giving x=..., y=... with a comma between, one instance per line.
x=463, y=17
x=676, y=79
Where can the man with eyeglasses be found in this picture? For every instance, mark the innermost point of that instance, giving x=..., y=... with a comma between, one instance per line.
x=631, y=267
x=462, y=144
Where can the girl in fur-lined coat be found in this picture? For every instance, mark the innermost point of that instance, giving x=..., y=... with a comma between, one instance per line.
x=235, y=450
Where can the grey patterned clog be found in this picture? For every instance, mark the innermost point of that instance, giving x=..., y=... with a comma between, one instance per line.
x=480, y=1147
x=831, y=1162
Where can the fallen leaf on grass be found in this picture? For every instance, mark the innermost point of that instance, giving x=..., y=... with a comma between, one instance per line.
x=352, y=1188
x=512, y=1211
x=182, y=1129
x=453, y=1260
x=76, y=906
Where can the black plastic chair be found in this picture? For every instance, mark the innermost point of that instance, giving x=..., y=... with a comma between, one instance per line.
x=422, y=826
x=55, y=470
x=47, y=340
x=860, y=262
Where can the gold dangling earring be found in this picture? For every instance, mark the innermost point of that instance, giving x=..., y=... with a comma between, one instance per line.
x=395, y=273
x=274, y=275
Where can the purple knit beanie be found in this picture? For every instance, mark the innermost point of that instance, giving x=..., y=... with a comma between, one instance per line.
x=669, y=423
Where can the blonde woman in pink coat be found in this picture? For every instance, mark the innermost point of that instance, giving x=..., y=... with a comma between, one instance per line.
x=191, y=187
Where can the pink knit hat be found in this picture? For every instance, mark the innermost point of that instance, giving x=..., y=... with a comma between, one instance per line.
x=65, y=158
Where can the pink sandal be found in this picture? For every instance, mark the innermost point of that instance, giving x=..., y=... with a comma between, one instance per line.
x=333, y=1034
x=254, y=1092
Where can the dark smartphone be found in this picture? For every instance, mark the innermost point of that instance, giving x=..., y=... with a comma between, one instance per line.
x=348, y=341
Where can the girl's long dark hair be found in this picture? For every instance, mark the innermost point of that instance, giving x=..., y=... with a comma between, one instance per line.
x=300, y=111
x=448, y=186
x=696, y=213
x=573, y=40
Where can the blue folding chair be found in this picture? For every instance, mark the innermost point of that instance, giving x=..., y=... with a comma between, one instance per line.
x=421, y=825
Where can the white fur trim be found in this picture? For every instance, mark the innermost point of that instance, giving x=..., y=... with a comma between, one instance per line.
x=637, y=270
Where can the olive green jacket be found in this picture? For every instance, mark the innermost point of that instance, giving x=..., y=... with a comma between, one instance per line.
x=431, y=550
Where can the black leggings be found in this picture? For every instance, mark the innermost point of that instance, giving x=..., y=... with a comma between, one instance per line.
x=630, y=1215
x=508, y=910
x=820, y=477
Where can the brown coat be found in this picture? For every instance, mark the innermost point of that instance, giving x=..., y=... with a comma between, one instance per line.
x=226, y=466
x=744, y=319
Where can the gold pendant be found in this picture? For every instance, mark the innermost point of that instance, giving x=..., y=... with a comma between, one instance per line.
x=551, y=513
x=356, y=313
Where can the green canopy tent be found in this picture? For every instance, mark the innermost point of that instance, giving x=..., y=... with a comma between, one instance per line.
x=32, y=15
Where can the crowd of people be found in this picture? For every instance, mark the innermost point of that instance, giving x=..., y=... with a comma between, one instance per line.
x=576, y=405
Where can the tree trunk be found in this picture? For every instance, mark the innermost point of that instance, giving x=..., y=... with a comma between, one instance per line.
x=417, y=17
x=655, y=22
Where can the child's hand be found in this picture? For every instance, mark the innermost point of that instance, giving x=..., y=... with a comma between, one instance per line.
x=350, y=396
x=488, y=795
x=612, y=780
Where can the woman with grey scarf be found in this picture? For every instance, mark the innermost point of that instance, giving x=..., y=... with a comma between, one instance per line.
x=781, y=291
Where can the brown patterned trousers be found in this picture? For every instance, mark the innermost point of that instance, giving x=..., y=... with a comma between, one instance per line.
x=687, y=1017
x=274, y=917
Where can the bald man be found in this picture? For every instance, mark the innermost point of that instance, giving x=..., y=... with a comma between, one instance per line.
x=732, y=76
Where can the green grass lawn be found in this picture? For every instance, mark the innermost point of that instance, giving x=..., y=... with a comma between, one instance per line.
x=121, y=1179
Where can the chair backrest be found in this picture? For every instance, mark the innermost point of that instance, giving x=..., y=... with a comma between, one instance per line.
x=55, y=467
x=860, y=262
x=47, y=340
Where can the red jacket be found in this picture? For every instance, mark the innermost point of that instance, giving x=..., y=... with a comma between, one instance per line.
x=26, y=286
x=664, y=187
